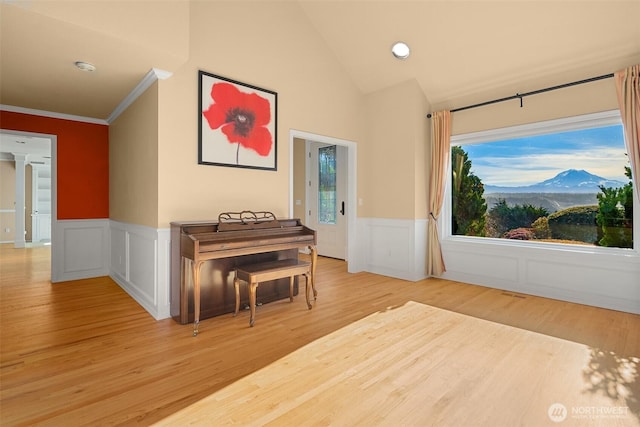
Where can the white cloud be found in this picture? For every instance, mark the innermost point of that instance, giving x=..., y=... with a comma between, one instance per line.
x=514, y=171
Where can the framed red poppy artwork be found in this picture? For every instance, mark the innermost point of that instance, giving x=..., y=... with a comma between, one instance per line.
x=236, y=124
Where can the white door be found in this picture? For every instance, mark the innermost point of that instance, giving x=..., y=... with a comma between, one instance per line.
x=326, y=197
x=41, y=203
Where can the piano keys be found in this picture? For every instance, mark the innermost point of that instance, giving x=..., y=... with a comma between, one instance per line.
x=205, y=254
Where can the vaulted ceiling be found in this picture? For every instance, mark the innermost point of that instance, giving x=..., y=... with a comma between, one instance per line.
x=460, y=50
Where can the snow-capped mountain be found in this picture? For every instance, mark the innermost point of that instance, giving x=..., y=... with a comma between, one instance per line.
x=569, y=181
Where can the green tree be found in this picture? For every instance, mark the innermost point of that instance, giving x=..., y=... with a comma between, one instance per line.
x=615, y=214
x=502, y=217
x=467, y=202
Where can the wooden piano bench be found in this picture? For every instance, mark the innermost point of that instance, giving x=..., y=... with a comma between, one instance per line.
x=253, y=274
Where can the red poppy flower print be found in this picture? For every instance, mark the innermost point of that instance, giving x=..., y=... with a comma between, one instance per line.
x=242, y=117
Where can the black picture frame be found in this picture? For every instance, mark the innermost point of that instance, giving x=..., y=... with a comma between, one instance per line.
x=237, y=124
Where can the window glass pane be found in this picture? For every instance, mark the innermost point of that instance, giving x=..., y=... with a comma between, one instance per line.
x=327, y=185
x=566, y=187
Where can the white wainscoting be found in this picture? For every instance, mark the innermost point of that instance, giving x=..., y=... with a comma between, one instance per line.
x=80, y=249
x=140, y=265
x=609, y=280
x=138, y=259
x=392, y=247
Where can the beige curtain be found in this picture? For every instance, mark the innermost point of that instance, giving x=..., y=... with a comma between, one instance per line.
x=440, y=154
x=628, y=89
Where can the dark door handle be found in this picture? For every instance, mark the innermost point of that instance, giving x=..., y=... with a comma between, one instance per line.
x=342, y=209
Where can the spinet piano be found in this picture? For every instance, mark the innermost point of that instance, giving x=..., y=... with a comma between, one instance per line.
x=236, y=239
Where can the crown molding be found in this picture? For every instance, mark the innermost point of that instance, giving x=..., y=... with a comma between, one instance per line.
x=150, y=78
x=52, y=115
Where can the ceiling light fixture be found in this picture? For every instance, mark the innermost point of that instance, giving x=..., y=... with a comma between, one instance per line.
x=400, y=50
x=85, y=66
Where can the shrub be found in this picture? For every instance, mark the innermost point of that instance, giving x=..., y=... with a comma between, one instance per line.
x=502, y=217
x=541, y=228
x=519, y=234
x=577, y=223
x=577, y=215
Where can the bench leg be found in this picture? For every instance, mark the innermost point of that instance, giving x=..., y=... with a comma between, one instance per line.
x=306, y=288
x=312, y=279
x=236, y=285
x=252, y=301
x=314, y=261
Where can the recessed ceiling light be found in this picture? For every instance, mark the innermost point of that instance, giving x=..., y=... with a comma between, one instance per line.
x=85, y=66
x=400, y=50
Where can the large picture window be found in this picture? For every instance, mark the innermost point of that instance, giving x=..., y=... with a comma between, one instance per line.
x=564, y=181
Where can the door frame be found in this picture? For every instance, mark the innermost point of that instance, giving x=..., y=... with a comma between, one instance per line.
x=54, y=187
x=351, y=164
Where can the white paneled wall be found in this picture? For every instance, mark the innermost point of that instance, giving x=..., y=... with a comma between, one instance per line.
x=611, y=279
x=570, y=273
x=392, y=247
x=138, y=259
x=81, y=249
x=140, y=265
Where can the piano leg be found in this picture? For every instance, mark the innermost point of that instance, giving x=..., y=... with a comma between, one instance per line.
x=291, y=281
x=236, y=286
x=184, y=289
x=314, y=261
x=196, y=295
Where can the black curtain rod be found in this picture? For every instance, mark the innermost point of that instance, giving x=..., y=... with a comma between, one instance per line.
x=535, y=92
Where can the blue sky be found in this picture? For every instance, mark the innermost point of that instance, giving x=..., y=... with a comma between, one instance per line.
x=529, y=160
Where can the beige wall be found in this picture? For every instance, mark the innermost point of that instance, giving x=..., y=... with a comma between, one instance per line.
x=277, y=49
x=272, y=46
x=395, y=157
x=421, y=159
x=7, y=200
x=133, y=162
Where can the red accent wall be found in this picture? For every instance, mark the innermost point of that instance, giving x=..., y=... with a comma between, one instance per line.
x=82, y=162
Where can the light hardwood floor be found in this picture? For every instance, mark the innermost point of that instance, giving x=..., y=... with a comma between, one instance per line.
x=85, y=353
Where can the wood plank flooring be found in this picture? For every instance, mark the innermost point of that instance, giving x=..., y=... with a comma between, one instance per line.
x=85, y=353
x=414, y=365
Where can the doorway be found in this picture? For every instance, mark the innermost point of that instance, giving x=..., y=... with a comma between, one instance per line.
x=301, y=194
x=33, y=155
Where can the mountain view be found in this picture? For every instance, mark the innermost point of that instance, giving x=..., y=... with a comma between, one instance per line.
x=569, y=181
x=567, y=189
